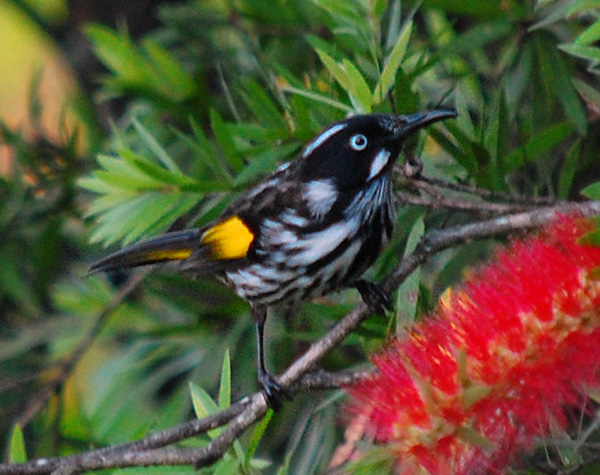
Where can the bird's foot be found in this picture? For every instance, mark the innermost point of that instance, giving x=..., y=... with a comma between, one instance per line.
x=377, y=299
x=274, y=393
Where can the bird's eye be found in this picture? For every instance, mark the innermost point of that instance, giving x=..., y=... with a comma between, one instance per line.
x=358, y=142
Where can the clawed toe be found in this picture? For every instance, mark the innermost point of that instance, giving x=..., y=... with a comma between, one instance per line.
x=377, y=299
x=274, y=393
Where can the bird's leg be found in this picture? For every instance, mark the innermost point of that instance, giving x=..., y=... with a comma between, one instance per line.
x=271, y=387
x=377, y=299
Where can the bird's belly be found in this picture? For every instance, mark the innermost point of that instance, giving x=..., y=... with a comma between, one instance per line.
x=322, y=262
x=269, y=282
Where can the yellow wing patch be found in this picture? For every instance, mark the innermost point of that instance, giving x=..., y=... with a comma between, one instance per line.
x=229, y=239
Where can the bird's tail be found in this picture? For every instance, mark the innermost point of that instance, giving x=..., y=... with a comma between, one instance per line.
x=174, y=246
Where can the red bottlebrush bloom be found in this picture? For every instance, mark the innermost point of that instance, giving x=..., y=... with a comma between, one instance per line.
x=498, y=365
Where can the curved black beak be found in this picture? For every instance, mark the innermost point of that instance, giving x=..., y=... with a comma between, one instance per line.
x=408, y=124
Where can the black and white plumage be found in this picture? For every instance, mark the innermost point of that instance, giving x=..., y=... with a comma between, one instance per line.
x=312, y=227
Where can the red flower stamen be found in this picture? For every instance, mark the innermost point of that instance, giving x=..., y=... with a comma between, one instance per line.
x=469, y=389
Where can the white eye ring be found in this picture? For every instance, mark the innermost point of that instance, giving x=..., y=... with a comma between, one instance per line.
x=358, y=142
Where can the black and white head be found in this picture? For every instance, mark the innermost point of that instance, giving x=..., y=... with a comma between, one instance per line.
x=353, y=152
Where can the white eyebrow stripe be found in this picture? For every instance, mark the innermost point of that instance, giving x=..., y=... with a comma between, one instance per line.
x=379, y=162
x=322, y=138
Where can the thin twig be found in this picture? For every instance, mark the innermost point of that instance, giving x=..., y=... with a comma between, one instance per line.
x=459, y=205
x=488, y=194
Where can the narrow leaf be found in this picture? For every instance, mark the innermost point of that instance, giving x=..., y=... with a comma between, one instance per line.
x=590, y=35
x=592, y=191
x=155, y=171
x=538, y=145
x=17, y=451
x=568, y=170
x=257, y=435
x=203, y=406
x=156, y=147
x=334, y=68
x=226, y=141
x=174, y=79
x=392, y=64
x=206, y=153
x=358, y=87
x=408, y=292
x=225, y=386
x=581, y=51
x=318, y=98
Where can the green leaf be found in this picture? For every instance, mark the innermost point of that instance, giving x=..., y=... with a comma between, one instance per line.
x=464, y=116
x=351, y=80
x=342, y=9
x=467, y=160
x=146, y=215
x=135, y=216
x=592, y=191
x=408, y=292
x=106, y=202
x=206, y=153
x=496, y=131
x=590, y=53
x=568, y=170
x=263, y=108
x=538, y=145
x=478, y=36
x=13, y=282
x=175, y=81
x=337, y=71
x=257, y=435
x=129, y=181
x=407, y=100
x=182, y=182
x=263, y=163
x=225, y=385
x=120, y=174
x=392, y=64
x=589, y=93
x=119, y=54
x=358, y=87
x=156, y=147
x=318, y=98
x=204, y=406
x=560, y=11
x=97, y=185
x=570, y=101
x=226, y=141
x=17, y=452
x=590, y=35
x=115, y=223
x=226, y=466
x=590, y=239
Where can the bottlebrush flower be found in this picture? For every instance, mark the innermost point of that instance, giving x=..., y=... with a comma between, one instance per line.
x=498, y=364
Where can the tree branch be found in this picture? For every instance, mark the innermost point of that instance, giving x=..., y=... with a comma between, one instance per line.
x=240, y=415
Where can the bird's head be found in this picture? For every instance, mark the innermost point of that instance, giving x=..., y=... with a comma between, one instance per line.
x=362, y=148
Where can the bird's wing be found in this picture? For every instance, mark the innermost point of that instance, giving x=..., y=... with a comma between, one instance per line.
x=223, y=244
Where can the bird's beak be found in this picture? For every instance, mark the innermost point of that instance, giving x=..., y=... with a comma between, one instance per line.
x=409, y=124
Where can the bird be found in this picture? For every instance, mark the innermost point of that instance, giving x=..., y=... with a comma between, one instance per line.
x=312, y=227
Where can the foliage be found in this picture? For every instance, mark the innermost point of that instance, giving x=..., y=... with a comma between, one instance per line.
x=216, y=98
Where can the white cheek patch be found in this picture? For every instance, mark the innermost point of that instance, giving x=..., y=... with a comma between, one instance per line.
x=379, y=163
x=320, y=196
x=310, y=148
